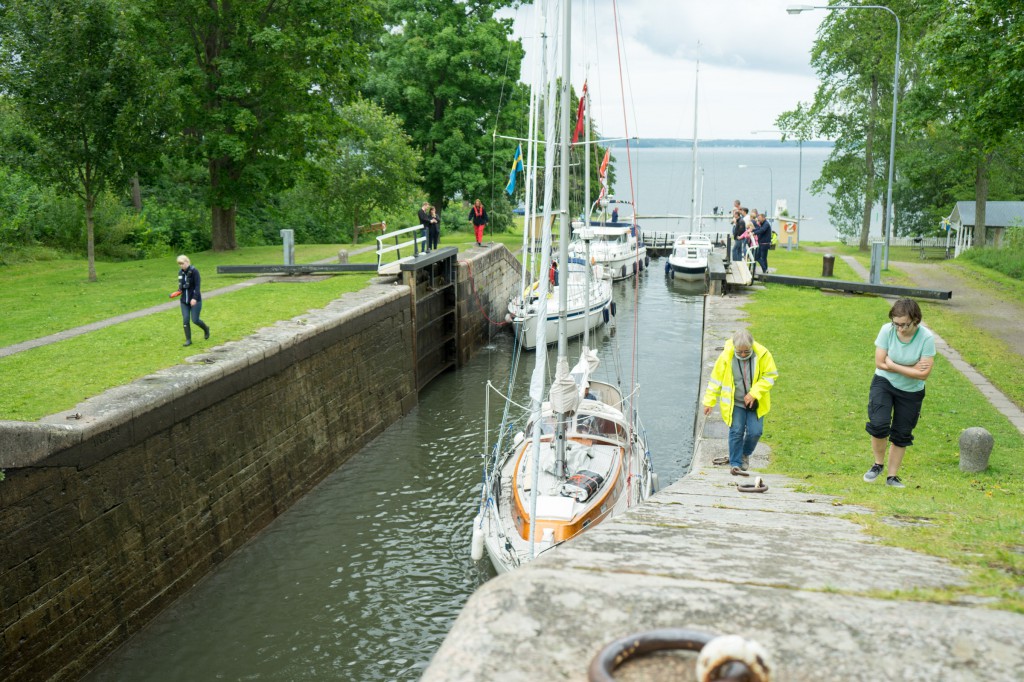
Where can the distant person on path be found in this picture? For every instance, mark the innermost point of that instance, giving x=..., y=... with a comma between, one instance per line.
x=478, y=216
x=424, y=216
x=745, y=369
x=433, y=230
x=904, y=357
x=191, y=298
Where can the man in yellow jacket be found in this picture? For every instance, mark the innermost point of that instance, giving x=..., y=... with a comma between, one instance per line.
x=745, y=369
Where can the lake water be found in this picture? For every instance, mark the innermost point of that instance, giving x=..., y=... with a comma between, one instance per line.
x=363, y=577
x=663, y=180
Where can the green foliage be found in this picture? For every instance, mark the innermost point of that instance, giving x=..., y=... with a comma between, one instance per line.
x=445, y=69
x=258, y=84
x=1008, y=259
x=74, y=73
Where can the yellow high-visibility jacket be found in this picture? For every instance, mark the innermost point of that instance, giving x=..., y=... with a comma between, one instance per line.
x=721, y=383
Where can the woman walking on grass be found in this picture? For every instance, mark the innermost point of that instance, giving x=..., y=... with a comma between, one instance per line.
x=191, y=298
x=904, y=357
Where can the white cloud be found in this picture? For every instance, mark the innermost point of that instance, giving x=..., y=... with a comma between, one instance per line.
x=754, y=64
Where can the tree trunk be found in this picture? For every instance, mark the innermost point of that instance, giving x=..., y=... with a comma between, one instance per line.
x=869, y=169
x=136, y=194
x=223, y=221
x=355, y=227
x=90, y=235
x=222, y=218
x=981, y=198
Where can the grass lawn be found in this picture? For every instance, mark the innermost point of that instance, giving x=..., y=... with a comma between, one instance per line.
x=823, y=344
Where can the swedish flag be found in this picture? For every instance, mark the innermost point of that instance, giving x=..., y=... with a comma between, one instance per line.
x=517, y=165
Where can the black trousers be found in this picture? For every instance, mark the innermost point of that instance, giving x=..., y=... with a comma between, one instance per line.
x=893, y=413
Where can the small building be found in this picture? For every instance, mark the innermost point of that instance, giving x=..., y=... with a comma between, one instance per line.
x=999, y=215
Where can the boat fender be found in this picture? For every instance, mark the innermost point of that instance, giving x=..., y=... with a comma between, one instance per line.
x=613, y=308
x=477, y=552
x=647, y=261
x=668, y=268
x=634, y=268
x=604, y=314
x=655, y=483
x=508, y=317
x=623, y=271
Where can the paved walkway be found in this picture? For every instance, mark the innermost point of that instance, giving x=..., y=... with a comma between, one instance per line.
x=172, y=305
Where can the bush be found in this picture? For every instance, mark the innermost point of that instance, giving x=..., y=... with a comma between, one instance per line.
x=1007, y=259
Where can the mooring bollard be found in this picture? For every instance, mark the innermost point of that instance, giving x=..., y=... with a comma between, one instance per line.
x=975, y=447
x=828, y=262
x=342, y=256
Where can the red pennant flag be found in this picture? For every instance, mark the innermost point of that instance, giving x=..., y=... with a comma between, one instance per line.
x=604, y=163
x=579, y=115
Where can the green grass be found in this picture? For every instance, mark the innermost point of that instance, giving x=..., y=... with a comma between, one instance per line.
x=45, y=297
x=823, y=344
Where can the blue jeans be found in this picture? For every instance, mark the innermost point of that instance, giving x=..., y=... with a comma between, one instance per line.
x=192, y=311
x=744, y=433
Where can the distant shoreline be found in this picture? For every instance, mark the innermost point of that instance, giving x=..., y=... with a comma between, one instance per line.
x=671, y=142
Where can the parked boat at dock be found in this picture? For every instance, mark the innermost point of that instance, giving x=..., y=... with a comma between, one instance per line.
x=689, y=257
x=614, y=246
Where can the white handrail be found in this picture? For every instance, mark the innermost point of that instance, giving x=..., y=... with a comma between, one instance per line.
x=418, y=242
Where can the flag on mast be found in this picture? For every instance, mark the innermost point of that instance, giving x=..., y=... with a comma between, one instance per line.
x=579, y=115
x=517, y=165
x=602, y=174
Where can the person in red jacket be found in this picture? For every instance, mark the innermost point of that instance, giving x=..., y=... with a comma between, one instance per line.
x=478, y=216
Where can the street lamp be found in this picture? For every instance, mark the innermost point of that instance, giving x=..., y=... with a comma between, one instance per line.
x=799, y=172
x=797, y=9
x=771, y=186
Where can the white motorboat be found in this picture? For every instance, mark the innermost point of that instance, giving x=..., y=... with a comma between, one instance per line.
x=585, y=309
x=689, y=257
x=616, y=247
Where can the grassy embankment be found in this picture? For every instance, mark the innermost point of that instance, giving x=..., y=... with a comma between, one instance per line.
x=45, y=297
x=823, y=344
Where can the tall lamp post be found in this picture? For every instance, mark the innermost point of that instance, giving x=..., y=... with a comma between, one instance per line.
x=797, y=9
x=799, y=173
x=771, y=185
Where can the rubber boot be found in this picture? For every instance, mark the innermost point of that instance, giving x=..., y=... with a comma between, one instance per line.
x=188, y=335
x=206, y=330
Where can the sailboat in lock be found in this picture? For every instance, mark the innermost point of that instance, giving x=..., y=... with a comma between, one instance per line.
x=578, y=455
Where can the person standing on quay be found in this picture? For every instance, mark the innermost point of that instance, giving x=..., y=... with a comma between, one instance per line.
x=424, y=216
x=478, y=216
x=741, y=381
x=904, y=357
x=433, y=230
x=191, y=298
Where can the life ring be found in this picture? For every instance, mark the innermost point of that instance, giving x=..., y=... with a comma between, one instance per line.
x=789, y=227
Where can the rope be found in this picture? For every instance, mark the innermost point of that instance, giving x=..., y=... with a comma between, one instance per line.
x=476, y=295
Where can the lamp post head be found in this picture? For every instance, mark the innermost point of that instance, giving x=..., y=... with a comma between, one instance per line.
x=797, y=9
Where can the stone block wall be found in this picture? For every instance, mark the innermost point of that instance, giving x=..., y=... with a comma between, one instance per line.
x=486, y=280
x=107, y=517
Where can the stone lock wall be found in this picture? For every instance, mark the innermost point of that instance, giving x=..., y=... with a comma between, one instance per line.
x=109, y=515
x=486, y=280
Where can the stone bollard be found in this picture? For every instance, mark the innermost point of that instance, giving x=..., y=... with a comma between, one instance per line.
x=342, y=256
x=975, y=447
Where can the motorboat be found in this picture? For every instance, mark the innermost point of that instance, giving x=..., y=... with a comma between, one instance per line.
x=616, y=247
x=588, y=305
x=689, y=257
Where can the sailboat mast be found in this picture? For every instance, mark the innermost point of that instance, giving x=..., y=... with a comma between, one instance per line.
x=693, y=173
x=565, y=224
x=586, y=209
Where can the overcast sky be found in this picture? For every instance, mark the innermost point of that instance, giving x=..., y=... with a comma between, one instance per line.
x=754, y=64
